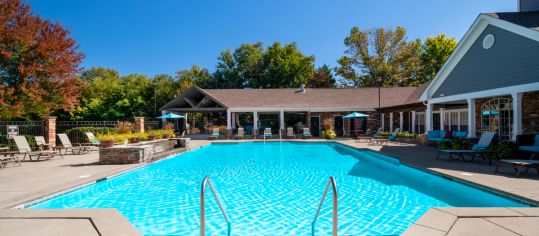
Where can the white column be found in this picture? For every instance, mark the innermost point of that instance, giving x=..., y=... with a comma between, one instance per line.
x=471, y=117
x=185, y=123
x=428, y=117
x=255, y=121
x=233, y=118
x=383, y=123
x=442, y=119
x=163, y=121
x=391, y=122
x=413, y=121
x=281, y=119
x=237, y=119
x=517, y=114
x=401, y=121
x=228, y=120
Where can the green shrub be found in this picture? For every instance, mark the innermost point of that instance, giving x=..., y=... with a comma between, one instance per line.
x=504, y=150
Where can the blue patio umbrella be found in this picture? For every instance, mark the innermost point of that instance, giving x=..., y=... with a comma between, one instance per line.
x=355, y=115
x=170, y=116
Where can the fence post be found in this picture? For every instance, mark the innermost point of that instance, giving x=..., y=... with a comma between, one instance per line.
x=49, y=130
x=139, y=124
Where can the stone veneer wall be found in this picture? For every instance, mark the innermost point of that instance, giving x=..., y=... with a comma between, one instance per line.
x=129, y=154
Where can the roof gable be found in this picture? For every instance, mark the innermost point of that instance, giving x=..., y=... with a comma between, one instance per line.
x=471, y=36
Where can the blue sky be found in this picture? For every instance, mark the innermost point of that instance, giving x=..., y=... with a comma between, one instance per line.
x=163, y=36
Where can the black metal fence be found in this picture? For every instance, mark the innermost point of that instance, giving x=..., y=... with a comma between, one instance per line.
x=33, y=128
x=152, y=124
x=78, y=136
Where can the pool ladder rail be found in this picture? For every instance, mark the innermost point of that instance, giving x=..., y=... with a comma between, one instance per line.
x=207, y=181
x=333, y=184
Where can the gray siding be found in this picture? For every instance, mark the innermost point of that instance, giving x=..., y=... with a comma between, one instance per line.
x=512, y=60
x=529, y=5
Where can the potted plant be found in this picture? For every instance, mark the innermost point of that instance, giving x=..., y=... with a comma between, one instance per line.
x=134, y=139
x=152, y=137
x=106, y=140
x=328, y=131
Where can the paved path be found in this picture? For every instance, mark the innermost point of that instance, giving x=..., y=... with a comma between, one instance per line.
x=33, y=180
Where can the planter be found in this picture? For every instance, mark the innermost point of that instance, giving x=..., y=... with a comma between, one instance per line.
x=166, y=136
x=151, y=137
x=107, y=143
x=134, y=140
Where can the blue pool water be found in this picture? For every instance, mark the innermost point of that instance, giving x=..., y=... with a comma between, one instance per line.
x=274, y=188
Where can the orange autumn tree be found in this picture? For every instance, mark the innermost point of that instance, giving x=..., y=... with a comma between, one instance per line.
x=38, y=64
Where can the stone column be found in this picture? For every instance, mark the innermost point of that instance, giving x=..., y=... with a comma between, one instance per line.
x=139, y=124
x=428, y=117
x=471, y=117
x=391, y=122
x=49, y=130
x=413, y=121
x=442, y=119
x=517, y=115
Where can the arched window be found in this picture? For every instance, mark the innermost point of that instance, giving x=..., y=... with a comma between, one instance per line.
x=497, y=116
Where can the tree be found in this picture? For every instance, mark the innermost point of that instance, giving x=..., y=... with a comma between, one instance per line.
x=38, y=64
x=379, y=54
x=322, y=78
x=436, y=50
x=194, y=76
x=284, y=67
x=166, y=89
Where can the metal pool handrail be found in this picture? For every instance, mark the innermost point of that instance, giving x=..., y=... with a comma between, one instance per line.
x=207, y=181
x=333, y=184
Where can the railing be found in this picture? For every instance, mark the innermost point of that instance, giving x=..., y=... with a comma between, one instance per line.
x=79, y=137
x=207, y=181
x=33, y=128
x=333, y=184
x=152, y=124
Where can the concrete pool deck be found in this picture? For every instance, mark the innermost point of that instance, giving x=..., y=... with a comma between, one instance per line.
x=34, y=180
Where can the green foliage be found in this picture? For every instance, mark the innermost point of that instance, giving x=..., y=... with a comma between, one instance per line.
x=322, y=78
x=194, y=76
x=329, y=134
x=504, y=150
x=444, y=145
x=79, y=131
x=436, y=50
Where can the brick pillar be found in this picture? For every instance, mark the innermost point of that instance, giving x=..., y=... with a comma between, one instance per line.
x=139, y=124
x=49, y=130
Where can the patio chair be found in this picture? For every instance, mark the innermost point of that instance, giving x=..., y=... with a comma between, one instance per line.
x=290, y=132
x=267, y=133
x=519, y=164
x=40, y=142
x=482, y=148
x=382, y=140
x=24, y=148
x=92, y=139
x=214, y=134
x=77, y=149
x=377, y=134
x=367, y=136
x=240, y=134
x=307, y=133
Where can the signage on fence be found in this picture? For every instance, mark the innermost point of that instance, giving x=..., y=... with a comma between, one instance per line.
x=12, y=130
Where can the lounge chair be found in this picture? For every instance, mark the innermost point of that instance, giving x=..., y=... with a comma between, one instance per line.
x=24, y=148
x=41, y=143
x=367, y=136
x=382, y=140
x=290, y=133
x=214, y=134
x=307, y=133
x=92, y=139
x=240, y=134
x=267, y=133
x=77, y=149
x=519, y=164
x=482, y=148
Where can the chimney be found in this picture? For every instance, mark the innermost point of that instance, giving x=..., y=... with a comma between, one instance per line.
x=528, y=5
x=302, y=88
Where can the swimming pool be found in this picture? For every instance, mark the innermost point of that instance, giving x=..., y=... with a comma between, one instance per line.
x=274, y=188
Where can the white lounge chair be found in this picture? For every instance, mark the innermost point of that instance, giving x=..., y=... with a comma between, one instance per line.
x=214, y=134
x=307, y=133
x=482, y=148
x=240, y=134
x=40, y=142
x=267, y=133
x=290, y=133
x=392, y=137
x=76, y=149
x=24, y=148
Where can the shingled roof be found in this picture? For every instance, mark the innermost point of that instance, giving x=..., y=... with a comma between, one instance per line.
x=526, y=19
x=329, y=99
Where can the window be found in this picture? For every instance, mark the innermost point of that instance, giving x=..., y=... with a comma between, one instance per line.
x=463, y=120
x=420, y=122
x=456, y=120
x=497, y=116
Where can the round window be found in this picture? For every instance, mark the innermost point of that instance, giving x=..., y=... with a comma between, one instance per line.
x=488, y=41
